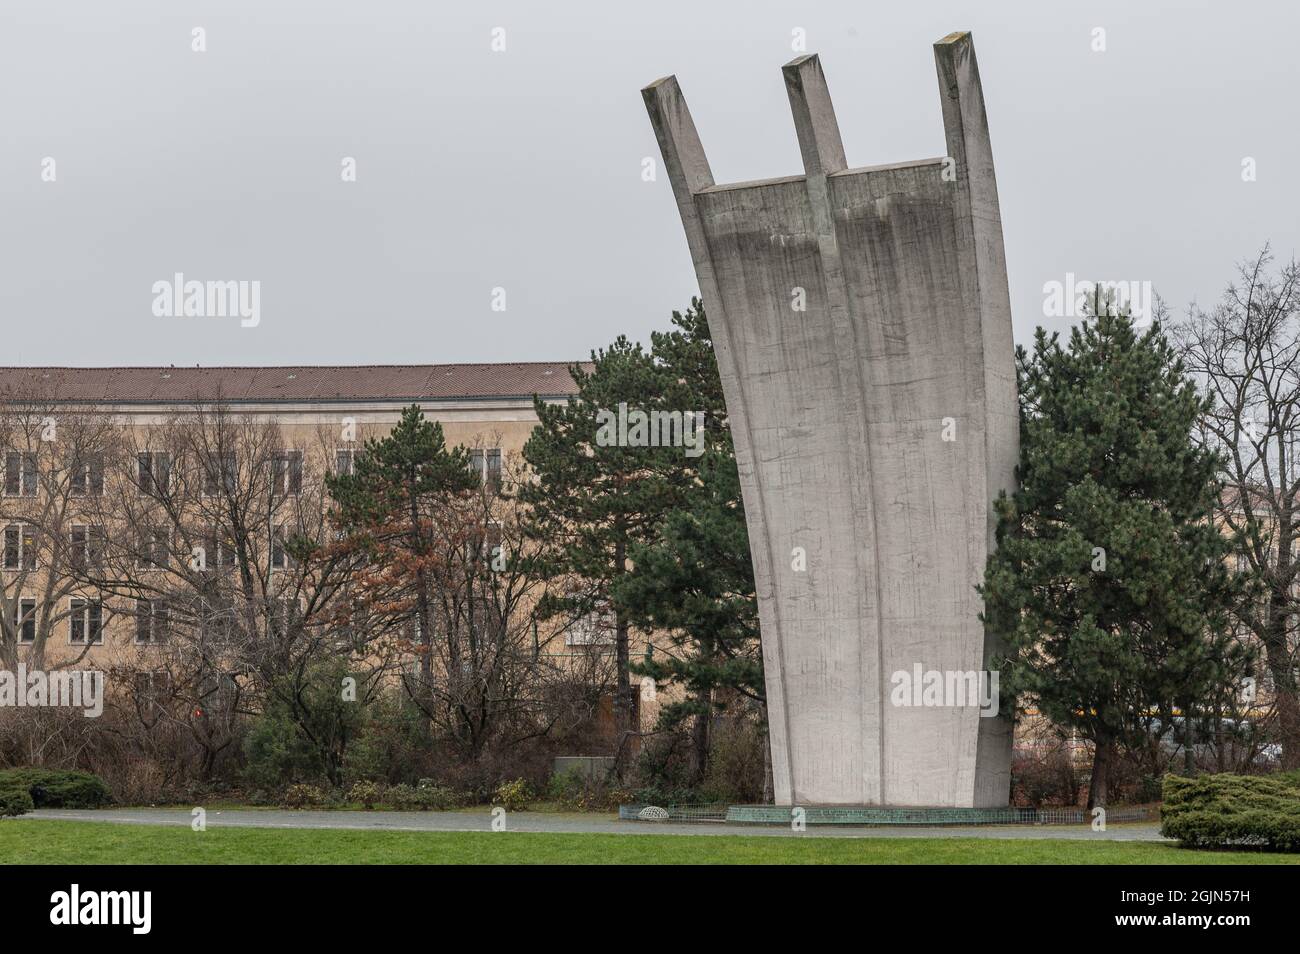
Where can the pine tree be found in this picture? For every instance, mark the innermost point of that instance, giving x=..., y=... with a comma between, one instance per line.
x=400, y=487
x=1109, y=584
x=694, y=583
x=593, y=499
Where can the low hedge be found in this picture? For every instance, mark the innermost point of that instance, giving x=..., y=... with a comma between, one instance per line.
x=55, y=788
x=1233, y=811
x=14, y=801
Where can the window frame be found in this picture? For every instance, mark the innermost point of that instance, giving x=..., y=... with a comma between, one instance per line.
x=87, y=613
x=24, y=473
x=25, y=617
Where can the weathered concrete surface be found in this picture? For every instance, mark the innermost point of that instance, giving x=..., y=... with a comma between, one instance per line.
x=839, y=414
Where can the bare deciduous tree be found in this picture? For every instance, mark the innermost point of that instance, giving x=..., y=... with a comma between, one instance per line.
x=1246, y=353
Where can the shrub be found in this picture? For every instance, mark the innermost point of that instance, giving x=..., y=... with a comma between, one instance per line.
x=391, y=744
x=365, y=793
x=663, y=765
x=1219, y=811
x=514, y=796
x=276, y=753
x=566, y=788
x=438, y=798
x=56, y=788
x=423, y=797
x=576, y=791
x=14, y=801
x=400, y=796
x=303, y=796
x=735, y=769
x=1044, y=775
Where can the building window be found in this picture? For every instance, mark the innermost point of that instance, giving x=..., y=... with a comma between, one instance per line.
x=484, y=544
x=286, y=473
x=87, y=547
x=154, y=472
x=155, y=549
x=593, y=629
x=88, y=477
x=220, y=473
x=280, y=556
x=86, y=624
x=218, y=552
x=20, y=474
x=26, y=610
x=345, y=462
x=486, y=462
x=151, y=621
x=20, y=550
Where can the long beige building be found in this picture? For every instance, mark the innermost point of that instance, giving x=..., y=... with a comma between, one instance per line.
x=55, y=422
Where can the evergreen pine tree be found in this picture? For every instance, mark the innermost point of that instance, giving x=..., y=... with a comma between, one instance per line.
x=400, y=485
x=694, y=582
x=593, y=499
x=1109, y=584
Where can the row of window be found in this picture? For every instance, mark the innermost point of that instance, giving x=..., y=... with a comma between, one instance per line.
x=153, y=472
x=86, y=621
x=153, y=549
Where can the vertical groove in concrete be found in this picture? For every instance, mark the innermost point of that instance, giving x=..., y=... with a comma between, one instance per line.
x=822, y=150
x=837, y=412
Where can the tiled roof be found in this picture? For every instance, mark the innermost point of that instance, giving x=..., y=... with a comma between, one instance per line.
x=289, y=384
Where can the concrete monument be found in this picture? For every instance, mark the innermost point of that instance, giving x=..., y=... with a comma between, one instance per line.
x=863, y=331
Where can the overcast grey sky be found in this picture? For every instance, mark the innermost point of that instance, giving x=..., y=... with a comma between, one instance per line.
x=521, y=169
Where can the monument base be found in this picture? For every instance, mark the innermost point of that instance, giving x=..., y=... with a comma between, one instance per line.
x=875, y=815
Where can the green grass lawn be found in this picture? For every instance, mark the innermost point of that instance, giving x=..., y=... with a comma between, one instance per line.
x=35, y=841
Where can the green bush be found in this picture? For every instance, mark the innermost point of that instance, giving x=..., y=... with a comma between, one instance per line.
x=575, y=791
x=423, y=797
x=365, y=793
x=437, y=798
x=14, y=801
x=392, y=743
x=276, y=753
x=401, y=796
x=735, y=769
x=1221, y=811
x=303, y=796
x=56, y=788
x=566, y=788
x=514, y=796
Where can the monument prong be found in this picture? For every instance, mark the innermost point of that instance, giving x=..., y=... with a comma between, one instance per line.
x=814, y=116
x=965, y=122
x=679, y=142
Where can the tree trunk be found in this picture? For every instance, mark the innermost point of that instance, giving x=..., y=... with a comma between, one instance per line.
x=1277, y=655
x=623, y=683
x=1288, y=722
x=1103, y=753
x=701, y=734
x=1189, y=741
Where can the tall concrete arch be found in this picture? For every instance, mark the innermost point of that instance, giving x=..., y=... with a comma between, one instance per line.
x=873, y=429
